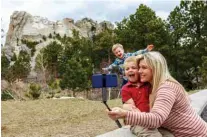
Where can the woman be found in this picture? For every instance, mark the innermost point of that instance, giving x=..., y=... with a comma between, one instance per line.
x=170, y=105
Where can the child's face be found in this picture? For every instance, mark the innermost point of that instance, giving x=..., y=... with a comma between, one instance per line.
x=131, y=72
x=119, y=52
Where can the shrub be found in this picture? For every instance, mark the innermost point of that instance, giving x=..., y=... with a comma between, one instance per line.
x=58, y=91
x=50, y=36
x=6, y=95
x=52, y=93
x=44, y=38
x=57, y=95
x=54, y=84
x=48, y=96
x=69, y=95
x=35, y=91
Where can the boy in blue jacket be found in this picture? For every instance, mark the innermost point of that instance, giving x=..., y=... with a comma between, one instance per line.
x=118, y=51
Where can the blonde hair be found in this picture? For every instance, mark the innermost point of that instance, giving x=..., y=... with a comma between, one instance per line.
x=158, y=64
x=115, y=46
x=130, y=59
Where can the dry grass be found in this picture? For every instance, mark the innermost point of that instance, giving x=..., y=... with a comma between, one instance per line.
x=56, y=118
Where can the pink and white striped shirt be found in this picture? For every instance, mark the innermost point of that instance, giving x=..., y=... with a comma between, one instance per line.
x=171, y=110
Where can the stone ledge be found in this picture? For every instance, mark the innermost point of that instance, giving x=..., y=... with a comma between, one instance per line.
x=198, y=102
x=121, y=132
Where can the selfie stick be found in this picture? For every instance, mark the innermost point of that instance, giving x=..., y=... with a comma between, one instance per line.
x=104, y=97
x=103, y=81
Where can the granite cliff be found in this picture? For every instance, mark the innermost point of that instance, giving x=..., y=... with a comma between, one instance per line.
x=24, y=26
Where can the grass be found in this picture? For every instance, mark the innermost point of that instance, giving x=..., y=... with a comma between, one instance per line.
x=56, y=118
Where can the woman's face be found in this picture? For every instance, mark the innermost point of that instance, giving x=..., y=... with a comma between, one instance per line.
x=145, y=72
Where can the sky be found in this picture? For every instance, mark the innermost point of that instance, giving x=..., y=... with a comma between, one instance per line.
x=98, y=10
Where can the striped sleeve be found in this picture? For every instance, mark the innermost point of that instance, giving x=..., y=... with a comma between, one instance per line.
x=159, y=113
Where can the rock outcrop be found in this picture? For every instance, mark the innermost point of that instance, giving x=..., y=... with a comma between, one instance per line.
x=24, y=26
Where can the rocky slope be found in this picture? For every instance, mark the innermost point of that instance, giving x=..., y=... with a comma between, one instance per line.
x=24, y=25
x=33, y=28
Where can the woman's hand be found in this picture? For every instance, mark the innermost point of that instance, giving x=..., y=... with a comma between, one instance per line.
x=117, y=113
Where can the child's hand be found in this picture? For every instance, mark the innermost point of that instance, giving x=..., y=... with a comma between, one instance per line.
x=150, y=47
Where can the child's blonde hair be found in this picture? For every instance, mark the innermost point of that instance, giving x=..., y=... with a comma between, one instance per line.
x=115, y=46
x=130, y=59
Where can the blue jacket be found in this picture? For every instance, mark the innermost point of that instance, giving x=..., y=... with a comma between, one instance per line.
x=120, y=62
